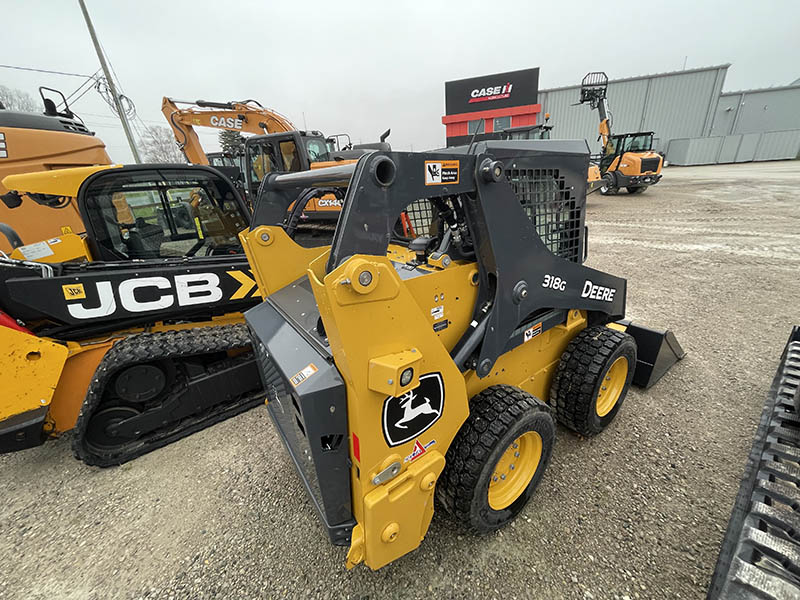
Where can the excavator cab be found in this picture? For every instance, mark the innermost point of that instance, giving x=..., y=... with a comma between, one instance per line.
x=288, y=151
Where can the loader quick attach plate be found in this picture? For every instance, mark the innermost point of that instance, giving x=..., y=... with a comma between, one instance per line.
x=309, y=409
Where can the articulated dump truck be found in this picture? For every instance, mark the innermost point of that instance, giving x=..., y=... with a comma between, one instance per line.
x=424, y=357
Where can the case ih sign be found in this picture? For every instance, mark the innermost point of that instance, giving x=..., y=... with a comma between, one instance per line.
x=501, y=90
x=490, y=104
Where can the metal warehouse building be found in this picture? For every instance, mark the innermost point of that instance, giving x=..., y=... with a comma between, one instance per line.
x=693, y=120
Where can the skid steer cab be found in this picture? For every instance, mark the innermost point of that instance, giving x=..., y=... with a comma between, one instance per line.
x=427, y=354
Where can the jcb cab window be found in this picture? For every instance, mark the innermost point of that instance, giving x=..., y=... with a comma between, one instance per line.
x=163, y=214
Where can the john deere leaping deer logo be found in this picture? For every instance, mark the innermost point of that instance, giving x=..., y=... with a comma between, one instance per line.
x=407, y=416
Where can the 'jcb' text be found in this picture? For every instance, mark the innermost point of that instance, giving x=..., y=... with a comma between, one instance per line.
x=161, y=293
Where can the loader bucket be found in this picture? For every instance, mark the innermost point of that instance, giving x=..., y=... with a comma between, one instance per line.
x=658, y=350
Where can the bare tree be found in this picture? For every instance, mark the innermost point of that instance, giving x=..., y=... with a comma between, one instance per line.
x=158, y=146
x=14, y=99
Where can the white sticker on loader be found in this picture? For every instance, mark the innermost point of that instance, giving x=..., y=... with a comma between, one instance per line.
x=301, y=376
x=437, y=312
x=36, y=251
x=3, y=149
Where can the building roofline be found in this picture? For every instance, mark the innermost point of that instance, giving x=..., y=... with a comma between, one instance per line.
x=766, y=89
x=650, y=76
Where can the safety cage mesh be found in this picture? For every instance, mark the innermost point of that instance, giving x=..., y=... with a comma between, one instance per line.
x=550, y=205
x=544, y=195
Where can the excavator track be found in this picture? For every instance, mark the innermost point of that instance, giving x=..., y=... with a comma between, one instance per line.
x=152, y=389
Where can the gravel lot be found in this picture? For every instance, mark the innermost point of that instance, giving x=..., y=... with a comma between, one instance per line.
x=639, y=512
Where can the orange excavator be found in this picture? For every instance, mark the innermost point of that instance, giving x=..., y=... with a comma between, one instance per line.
x=247, y=116
x=276, y=146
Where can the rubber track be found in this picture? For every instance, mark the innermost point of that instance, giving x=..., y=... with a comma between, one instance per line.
x=572, y=391
x=760, y=555
x=492, y=412
x=146, y=347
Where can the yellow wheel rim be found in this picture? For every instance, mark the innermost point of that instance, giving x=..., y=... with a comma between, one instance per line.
x=515, y=469
x=611, y=387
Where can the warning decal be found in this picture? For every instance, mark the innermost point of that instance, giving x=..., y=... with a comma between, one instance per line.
x=300, y=377
x=441, y=172
x=3, y=149
x=532, y=332
x=419, y=450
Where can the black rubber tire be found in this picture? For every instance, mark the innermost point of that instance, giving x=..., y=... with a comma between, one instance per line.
x=498, y=415
x=580, y=373
x=636, y=190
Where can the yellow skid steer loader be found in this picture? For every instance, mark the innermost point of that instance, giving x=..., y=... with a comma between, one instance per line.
x=428, y=352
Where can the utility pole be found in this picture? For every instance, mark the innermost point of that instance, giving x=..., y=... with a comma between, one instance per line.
x=122, y=117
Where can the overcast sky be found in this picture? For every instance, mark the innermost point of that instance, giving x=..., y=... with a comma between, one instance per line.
x=363, y=67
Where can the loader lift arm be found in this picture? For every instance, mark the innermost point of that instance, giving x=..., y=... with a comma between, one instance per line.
x=247, y=116
x=594, y=88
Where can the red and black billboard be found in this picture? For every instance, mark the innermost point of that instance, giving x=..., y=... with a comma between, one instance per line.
x=501, y=90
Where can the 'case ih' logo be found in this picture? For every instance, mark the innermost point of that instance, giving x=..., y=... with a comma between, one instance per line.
x=498, y=92
x=407, y=416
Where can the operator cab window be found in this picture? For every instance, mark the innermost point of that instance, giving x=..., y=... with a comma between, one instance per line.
x=317, y=150
x=290, y=157
x=163, y=214
x=262, y=161
x=638, y=143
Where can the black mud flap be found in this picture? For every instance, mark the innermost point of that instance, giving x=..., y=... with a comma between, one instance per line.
x=22, y=431
x=308, y=406
x=658, y=350
x=760, y=553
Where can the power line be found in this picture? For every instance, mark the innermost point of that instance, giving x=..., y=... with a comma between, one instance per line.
x=121, y=111
x=43, y=71
x=89, y=79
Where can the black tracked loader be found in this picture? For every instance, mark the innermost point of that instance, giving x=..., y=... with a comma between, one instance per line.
x=129, y=330
x=428, y=352
x=760, y=554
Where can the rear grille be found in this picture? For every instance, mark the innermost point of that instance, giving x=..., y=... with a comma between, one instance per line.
x=75, y=127
x=551, y=207
x=650, y=164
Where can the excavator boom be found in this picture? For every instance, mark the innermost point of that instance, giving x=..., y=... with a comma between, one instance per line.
x=246, y=116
